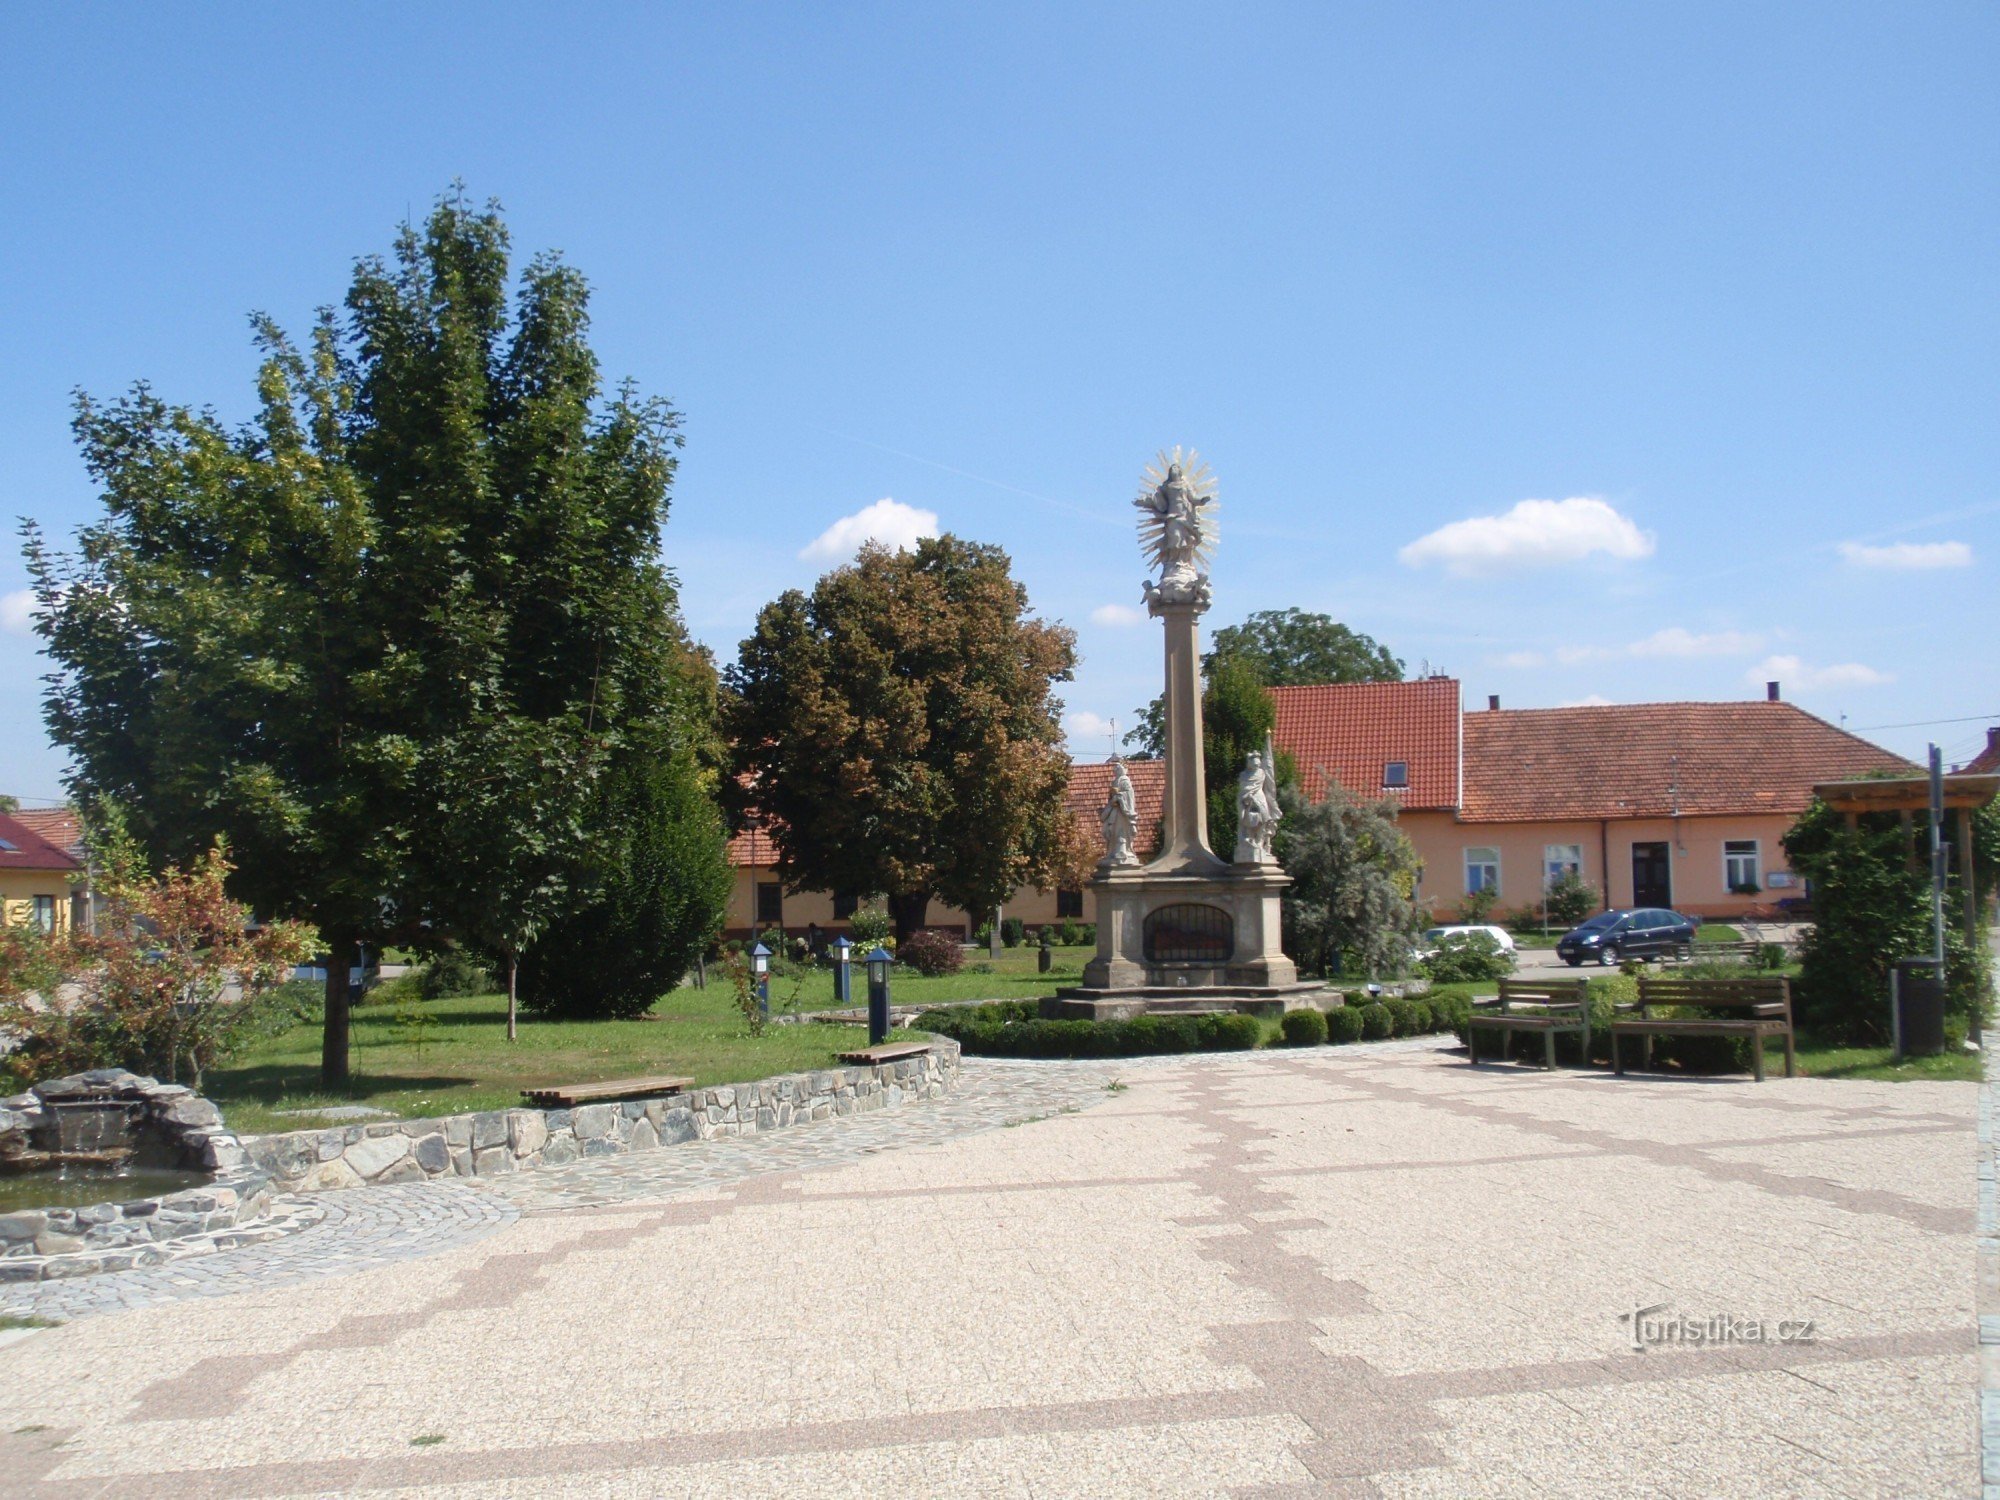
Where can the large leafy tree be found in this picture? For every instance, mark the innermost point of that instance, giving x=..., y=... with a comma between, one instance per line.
x=1236, y=718
x=358, y=630
x=898, y=729
x=1281, y=648
x=1350, y=907
x=1871, y=906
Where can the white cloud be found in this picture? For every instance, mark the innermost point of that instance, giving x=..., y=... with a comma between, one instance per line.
x=1595, y=700
x=1086, y=728
x=1569, y=656
x=1790, y=672
x=1675, y=641
x=887, y=521
x=1521, y=659
x=1534, y=534
x=17, y=612
x=1117, y=614
x=1908, y=556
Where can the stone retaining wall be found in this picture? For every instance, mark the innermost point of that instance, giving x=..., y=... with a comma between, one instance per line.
x=499, y=1141
x=50, y=1242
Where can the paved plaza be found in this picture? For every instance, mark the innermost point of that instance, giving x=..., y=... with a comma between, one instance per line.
x=1359, y=1271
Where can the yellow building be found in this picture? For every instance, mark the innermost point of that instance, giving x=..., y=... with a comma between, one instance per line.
x=37, y=879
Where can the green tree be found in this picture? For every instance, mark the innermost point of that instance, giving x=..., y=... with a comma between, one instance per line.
x=1236, y=717
x=1285, y=648
x=294, y=634
x=898, y=729
x=1349, y=908
x=645, y=905
x=1294, y=649
x=1871, y=906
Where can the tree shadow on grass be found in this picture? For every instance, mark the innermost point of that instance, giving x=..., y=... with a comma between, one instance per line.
x=278, y=1083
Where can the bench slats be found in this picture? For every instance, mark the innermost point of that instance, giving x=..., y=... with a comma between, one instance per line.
x=569, y=1095
x=887, y=1052
x=1765, y=1007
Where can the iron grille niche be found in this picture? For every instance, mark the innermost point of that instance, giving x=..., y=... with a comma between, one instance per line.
x=1189, y=934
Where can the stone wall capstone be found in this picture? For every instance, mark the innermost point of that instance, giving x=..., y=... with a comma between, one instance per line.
x=494, y=1142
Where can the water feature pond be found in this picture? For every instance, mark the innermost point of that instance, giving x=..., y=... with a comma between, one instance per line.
x=79, y=1186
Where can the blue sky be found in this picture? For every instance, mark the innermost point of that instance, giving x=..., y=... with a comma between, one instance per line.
x=1717, y=282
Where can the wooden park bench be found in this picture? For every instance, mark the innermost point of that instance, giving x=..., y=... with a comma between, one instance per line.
x=1545, y=1007
x=1747, y=951
x=887, y=1052
x=1754, y=1009
x=569, y=1095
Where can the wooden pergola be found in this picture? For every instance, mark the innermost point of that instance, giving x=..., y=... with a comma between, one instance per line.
x=1909, y=797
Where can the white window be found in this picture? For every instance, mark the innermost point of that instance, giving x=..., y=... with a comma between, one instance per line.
x=1740, y=870
x=1559, y=860
x=1482, y=870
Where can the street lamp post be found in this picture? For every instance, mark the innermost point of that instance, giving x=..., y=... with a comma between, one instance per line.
x=760, y=968
x=843, y=974
x=878, y=995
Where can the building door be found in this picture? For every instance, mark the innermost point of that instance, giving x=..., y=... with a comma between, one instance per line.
x=1652, y=878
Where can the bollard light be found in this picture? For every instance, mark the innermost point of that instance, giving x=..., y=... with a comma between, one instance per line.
x=843, y=974
x=878, y=995
x=760, y=969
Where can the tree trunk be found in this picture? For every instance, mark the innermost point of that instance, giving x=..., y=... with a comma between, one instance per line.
x=513, y=971
x=908, y=909
x=333, y=1071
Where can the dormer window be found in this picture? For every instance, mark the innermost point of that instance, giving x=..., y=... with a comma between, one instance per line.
x=1396, y=773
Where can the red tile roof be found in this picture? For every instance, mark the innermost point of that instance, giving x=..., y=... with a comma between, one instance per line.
x=1986, y=761
x=30, y=850
x=1089, y=785
x=59, y=825
x=1090, y=789
x=1351, y=731
x=1655, y=759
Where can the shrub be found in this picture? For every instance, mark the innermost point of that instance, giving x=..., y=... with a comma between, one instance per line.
x=932, y=952
x=1376, y=1022
x=1569, y=899
x=1013, y=932
x=1303, y=1028
x=1449, y=1012
x=1401, y=1018
x=1422, y=1021
x=1343, y=1024
x=1477, y=906
x=451, y=974
x=648, y=900
x=1075, y=934
x=1014, y=1029
x=869, y=926
x=1466, y=958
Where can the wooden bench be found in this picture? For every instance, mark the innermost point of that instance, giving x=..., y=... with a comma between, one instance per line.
x=887, y=1052
x=1546, y=1006
x=1758, y=1008
x=1746, y=952
x=569, y=1095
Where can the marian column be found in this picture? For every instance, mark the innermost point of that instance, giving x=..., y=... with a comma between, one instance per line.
x=1177, y=532
x=1187, y=928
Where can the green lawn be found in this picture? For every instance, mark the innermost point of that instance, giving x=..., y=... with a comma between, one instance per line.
x=1014, y=976
x=1873, y=1063
x=465, y=1062
x=1717, y=932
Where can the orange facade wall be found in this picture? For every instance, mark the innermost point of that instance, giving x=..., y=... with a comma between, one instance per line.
x=807, y=908
x=1695, y=858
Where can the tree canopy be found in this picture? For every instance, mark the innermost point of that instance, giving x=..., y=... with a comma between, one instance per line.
x=1350, y=907
x=416, y=598
x=897, y=729
x=1281, y=648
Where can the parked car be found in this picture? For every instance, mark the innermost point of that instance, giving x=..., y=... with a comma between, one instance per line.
x=1434, y=937
x=1610, y=937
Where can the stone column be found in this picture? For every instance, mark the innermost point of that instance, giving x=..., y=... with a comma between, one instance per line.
x=1184, y=835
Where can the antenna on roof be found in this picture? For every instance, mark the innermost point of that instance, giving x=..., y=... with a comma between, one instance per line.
x=1114, y=737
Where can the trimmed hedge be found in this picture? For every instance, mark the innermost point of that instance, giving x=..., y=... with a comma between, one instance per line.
x=1303, y=1028
x=1013, y=1028
x=1343, y=1024
x=1377, y=1024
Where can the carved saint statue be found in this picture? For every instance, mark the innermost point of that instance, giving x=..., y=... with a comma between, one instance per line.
x=1256, y=809
x=1120, y=817
x=1177, y=528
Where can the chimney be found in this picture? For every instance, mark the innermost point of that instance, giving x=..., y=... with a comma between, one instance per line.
x=1770, y=692
x=1492, y=702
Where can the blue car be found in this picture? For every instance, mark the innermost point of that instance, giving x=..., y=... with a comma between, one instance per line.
x=1611, y=937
